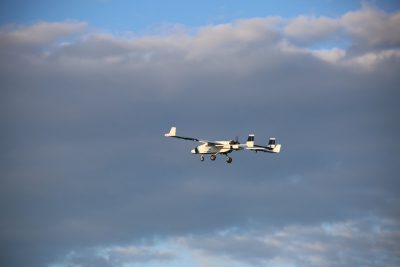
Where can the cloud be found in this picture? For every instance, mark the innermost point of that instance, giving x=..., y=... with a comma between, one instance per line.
x=367, y=241
x=368, y=26
x=310, y=29
x=243, y=37
x=41, y=33
x=115, y=256
x=372, y=59
x=85, y=164
x=132, y=253
x=372, y=27
x=228, y=39
x=300, y=34
x=330, y=55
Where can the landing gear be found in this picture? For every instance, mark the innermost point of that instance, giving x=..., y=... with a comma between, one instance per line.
x=214, y=157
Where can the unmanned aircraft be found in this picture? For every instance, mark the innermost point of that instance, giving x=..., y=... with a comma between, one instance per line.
x=225, y=147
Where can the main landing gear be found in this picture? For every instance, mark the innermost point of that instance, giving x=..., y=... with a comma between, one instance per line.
x=228, y=159
x=213, y=157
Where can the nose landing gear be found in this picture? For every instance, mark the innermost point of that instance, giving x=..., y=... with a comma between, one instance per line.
x=202, y=158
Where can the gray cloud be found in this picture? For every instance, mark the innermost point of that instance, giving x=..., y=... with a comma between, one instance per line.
x=115, y=256
x=85, y=164
x=367, y=242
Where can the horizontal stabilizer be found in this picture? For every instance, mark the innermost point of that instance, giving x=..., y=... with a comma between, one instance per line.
x=277, y=148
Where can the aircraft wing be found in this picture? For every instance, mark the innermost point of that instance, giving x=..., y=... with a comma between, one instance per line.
x=172, y=133
x=186, y=138
x=211, y=143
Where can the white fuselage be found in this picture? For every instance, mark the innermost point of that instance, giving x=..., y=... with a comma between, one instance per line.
x=221, y=148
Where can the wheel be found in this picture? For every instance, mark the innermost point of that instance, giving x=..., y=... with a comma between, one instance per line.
x=213, y=157
x=202, y=158
x=228, y=159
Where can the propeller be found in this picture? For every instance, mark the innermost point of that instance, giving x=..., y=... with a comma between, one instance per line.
x=237, y=140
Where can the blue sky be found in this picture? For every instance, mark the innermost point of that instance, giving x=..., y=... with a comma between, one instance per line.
x=88, y=179
x=137, y=16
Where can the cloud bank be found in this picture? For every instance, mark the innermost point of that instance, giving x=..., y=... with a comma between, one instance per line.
x=366, y=242
x=89, y=180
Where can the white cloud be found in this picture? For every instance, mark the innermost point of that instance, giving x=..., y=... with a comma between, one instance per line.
x=227, y=39
x=306, y=30
x=247, y=39
x=333, y=55
x=42, y=33
x=369, y=60
x=373, y=27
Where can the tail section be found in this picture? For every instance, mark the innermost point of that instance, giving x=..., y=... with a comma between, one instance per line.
x=273, y=146
x=171, y=133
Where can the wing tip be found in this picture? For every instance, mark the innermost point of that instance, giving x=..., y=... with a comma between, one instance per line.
x=171, y=133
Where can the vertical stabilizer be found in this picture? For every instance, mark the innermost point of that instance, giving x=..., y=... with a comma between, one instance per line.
x=273, y=146
x=250, y=140
x=272, y=142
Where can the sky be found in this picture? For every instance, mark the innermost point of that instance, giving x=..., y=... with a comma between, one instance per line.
x=88, y=89
x=139, y=16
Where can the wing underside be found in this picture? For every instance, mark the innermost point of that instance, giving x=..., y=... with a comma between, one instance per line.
x=172, y=133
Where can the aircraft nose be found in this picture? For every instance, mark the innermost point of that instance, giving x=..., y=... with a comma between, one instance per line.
x=194, y=151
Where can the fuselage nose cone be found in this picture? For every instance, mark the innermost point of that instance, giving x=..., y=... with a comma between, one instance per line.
x=193, y=151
